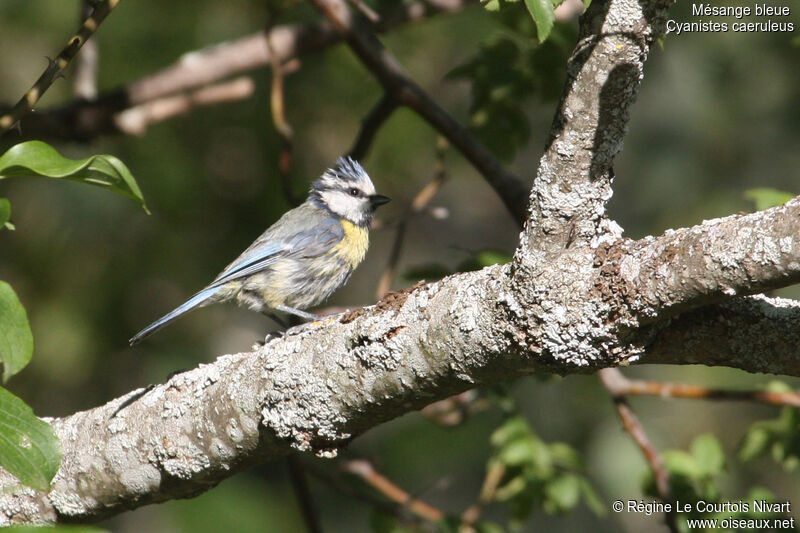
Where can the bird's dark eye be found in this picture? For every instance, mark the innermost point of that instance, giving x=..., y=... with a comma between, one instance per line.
x=354, y=192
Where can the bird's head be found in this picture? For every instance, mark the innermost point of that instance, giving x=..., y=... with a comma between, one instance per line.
x=347, y=192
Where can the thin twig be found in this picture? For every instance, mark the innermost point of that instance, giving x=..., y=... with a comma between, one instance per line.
x=86, y=63
x=370, y=126
x=635, y=429
x=420, y=202
x=396, y=82
x=55, y=68
x=297, y=475
x=621, y=385
x=363, y=469
x=370, y=498
x=367, y=11
x=494, y=475
x=455, y=409
x=278, y=107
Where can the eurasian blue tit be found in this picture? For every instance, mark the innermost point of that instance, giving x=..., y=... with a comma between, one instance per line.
x=301, y=259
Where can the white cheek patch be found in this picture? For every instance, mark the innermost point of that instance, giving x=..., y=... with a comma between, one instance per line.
x=337, y=201
x=344, y=205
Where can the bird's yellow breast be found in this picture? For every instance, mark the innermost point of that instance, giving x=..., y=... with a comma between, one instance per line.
x=353, y=247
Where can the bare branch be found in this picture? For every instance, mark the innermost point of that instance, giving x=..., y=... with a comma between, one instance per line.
x=494, y=476
x=631, y=424
x=86, y=63
x=297, y=475
x=456, y=409
x=405, y=91
x=620, y=385
x=420, y=201
x=55, y=68
x=372, y=499
x=371, y=124
x=136, y=120
x=364, y=470
x=282, y=126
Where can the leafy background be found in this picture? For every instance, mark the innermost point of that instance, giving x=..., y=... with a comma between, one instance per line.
x=717, y=115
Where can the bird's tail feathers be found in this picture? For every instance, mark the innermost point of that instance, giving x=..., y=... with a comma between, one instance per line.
x=195, y=301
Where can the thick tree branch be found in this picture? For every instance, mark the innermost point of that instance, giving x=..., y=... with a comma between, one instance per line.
x=755, y=333
x=573, y=182
x=710, y=262
x=321, y=385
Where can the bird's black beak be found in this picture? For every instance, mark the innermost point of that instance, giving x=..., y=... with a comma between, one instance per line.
x=378, y=199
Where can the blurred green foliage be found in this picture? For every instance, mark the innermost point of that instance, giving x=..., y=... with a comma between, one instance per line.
x=5, y=214
x=717, y=115
x=538, y=474
x=778, y=437
x=764, y=197
x=693, y=474
x=510, y=68
x=695, y=479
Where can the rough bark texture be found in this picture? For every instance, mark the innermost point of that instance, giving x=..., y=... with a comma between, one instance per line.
x=577, y=297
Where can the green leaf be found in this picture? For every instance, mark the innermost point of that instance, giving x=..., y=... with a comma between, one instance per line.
x=754, y=443
x=515, y=427
x=29, y=448
x=682, y=464
x=16, y=339
x=543, y=15
x=591, y=498
x=708, y=454
x=35, y=158
x=522, y=451
x=563, y=493
x=765, y=197
x=778, y=437
x=5, y=214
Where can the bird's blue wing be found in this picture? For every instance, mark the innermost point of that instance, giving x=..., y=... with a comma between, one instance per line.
x=314, y=238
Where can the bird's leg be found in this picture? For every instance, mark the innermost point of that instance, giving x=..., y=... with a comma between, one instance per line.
x=273, y=334
x=277, y=320
x=296, y=312
x=290, y=311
